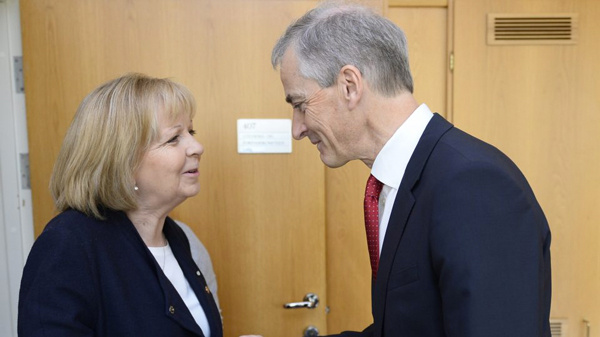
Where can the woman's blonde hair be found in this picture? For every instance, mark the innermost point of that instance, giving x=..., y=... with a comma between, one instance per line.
x=112, y=129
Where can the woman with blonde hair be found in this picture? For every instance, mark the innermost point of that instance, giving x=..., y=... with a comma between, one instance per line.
x=112, y=263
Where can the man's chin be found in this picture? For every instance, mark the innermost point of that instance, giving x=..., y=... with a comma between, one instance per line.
x=332, y=162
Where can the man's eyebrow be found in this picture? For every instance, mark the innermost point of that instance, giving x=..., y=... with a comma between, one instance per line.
x=291, y=98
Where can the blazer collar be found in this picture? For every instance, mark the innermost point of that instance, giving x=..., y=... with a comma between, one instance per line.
x=400, y=213
x=195, y=278
x=181, y=249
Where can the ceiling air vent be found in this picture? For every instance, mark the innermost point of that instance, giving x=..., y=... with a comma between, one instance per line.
x=556, y=28
x=558, y=327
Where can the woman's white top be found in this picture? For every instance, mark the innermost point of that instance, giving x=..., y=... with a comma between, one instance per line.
x=168, y=263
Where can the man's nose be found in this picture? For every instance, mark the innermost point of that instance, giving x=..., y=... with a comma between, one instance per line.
x=298, y=127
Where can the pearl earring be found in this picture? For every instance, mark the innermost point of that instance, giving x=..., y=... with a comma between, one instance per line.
x=135, y=188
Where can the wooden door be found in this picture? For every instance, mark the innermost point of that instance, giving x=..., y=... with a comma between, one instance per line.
x=539, y=104
x=262, y=217
x=425, y=24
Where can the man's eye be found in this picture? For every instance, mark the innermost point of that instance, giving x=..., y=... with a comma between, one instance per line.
x=298, y=106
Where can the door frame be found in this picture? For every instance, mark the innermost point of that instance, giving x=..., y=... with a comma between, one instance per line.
x=16, y=217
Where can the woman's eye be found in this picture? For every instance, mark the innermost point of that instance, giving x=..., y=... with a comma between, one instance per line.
x=173, y=140
x=192, y=132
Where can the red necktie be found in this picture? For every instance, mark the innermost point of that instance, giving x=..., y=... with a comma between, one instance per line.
x=372, y=191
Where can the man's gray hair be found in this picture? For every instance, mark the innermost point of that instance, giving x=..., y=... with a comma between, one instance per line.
x=333, y=35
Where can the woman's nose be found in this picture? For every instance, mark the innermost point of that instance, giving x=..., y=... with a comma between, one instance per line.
x=195, y=148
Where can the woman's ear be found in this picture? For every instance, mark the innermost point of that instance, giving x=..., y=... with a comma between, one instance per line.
x=351, y=84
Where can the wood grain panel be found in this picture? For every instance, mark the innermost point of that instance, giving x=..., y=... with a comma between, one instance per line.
x=418, y=3
x=425, y=30
x=348, y=266
x=539, y=105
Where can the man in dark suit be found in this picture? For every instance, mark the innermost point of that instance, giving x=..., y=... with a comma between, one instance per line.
x=459, y=245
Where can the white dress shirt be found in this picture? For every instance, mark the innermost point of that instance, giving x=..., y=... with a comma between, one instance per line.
x=391, y=162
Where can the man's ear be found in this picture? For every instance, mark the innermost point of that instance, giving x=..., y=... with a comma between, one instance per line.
x=351, y=84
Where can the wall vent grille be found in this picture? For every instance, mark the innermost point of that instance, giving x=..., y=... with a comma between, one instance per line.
x=557, y=28
x=558, y=327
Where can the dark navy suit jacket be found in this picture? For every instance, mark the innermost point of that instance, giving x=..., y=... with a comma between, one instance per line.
x=467, y=248
x=86, y=277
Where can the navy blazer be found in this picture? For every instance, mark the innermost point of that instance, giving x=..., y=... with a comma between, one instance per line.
x=467, y=248
x=87, y=277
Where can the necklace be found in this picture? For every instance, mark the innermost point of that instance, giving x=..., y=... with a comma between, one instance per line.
x=164, y=258
x=165, y=254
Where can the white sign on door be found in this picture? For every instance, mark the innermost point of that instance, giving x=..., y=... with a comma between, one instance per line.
x=264, y=135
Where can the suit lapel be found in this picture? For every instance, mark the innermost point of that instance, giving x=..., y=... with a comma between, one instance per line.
x=175, y=308
x=403, y=205
x=195, y=278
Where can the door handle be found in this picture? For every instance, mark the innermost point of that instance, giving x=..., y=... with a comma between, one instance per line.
x=311, y=301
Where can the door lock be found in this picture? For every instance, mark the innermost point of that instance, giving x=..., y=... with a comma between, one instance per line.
x=311, y=331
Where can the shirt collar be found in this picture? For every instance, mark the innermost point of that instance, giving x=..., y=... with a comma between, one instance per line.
x=390, y=164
